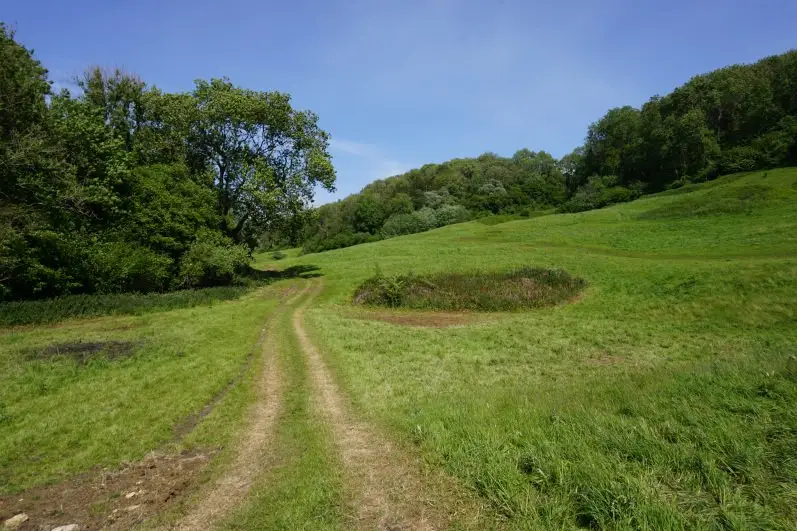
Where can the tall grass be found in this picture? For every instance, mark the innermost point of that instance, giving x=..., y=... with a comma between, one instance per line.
x=75, y=306
x=525, y=287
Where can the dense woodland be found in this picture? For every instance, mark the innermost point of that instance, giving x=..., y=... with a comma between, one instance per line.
x=735, y=119
x=122, y=187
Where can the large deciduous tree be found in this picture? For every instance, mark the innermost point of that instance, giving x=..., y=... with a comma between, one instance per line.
x=265, y=157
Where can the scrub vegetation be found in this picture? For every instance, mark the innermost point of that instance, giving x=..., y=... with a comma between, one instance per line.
x=526, y=287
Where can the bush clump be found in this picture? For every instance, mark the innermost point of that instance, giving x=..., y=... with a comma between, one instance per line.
x=522, y=288
x=600, y=192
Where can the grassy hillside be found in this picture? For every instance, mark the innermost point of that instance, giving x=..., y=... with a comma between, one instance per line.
x=663, y=398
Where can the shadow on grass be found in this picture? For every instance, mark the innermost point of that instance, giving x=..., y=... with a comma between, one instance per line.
x=272, y=275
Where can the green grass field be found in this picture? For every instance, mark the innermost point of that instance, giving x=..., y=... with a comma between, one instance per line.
x=60, y=416
x=662, y=397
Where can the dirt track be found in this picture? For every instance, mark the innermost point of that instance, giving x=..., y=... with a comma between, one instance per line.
x=386, y=487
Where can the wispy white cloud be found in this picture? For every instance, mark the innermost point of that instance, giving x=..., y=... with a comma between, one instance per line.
x=358, y=149
x=369, y=158
x=357, y=164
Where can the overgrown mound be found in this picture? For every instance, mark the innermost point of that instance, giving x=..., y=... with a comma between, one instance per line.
x=526, y=287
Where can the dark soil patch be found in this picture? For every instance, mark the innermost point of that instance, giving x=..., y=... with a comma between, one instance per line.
x=82, y=352
x=417, y=319
x=523, y=288
x=108, y=499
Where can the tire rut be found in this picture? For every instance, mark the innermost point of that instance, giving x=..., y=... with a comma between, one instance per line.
x=390, y=489
x=250, y=459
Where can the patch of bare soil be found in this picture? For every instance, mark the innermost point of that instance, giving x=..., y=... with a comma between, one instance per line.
x=391, y=490
x=417, y=319
x=108, y=499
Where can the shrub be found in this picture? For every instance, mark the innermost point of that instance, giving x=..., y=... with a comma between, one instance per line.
x=739, y=159
x=449, y=214
x=399, y=224
x=338, y=241
x=279, y=255
x=122, y=266
x=212, y=260
x=426, y=218
x=600, y=192
x=526, y=287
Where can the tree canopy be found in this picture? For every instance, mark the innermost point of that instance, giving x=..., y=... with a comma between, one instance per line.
x=123, y=187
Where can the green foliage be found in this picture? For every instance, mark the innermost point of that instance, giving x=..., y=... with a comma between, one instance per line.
x=278, y=255
x=599, y=192
x=127, y=188
x=266, y=158
x=450, y=214
x=437, y=195
x=118, y=267
x=399, y=224
x=338, y=241
x=425, y=218
x=166, y=208
x=212, y=259
x=739, y=118
x=80, y=306
x=525, y=287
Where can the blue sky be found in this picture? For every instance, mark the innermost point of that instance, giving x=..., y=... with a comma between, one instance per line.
x=400, y=84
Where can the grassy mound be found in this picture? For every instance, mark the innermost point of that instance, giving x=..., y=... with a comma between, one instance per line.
x=526, y=287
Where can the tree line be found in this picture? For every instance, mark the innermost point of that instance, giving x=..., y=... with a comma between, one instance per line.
x=735, y=119
x=123, y=187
